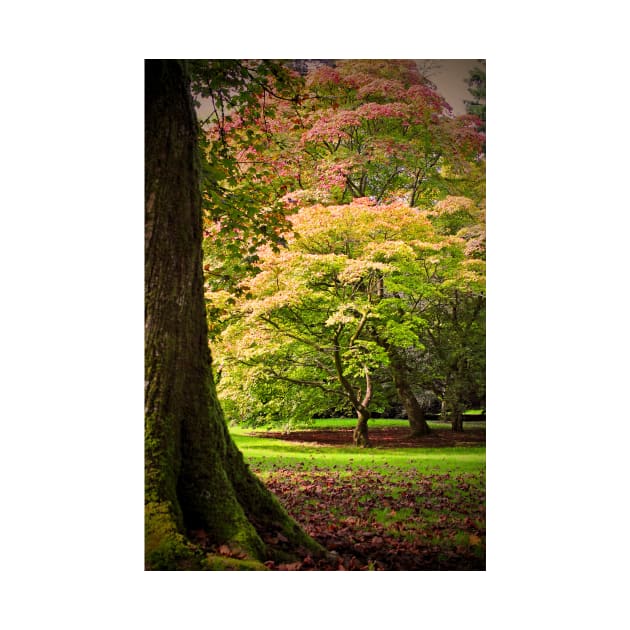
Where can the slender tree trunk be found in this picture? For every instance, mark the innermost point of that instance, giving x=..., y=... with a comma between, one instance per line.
x=360, y=433
x=195, y=477
x=415, y=413
x=457, y=423
x=452, y=410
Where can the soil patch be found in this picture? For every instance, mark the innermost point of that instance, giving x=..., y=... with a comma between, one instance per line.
x=394, y=437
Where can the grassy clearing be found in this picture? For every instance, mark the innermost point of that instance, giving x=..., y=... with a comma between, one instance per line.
x=388, y=508
x=267, y=454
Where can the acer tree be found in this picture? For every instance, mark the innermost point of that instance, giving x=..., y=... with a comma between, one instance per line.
x=363, y=128
x=353, y=130
x=241, y=201
x=357, y=288
x=301, y=327
x=196, y=482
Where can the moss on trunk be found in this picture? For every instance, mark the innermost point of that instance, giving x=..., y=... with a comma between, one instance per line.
x=195, y=477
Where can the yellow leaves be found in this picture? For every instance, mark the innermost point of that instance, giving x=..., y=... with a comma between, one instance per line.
x=248, y=341
x=472, y=273
x=219, y=299
x=358, y=223
x=343, y=315
x=474, y=264
x=454, y=204
x=272, y=302
x=356, y=270
x=423, y=245
x=387, y=250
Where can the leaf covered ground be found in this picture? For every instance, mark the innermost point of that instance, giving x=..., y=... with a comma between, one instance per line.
x=394, y=517
x=385, y=437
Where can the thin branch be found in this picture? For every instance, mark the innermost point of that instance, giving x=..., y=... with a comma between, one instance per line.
x=296, y=381
x=359, y=328
x=307, y=342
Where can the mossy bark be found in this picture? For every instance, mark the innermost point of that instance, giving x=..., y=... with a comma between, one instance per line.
x=195, y=477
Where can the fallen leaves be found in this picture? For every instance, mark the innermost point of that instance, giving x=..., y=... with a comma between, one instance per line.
x=231, y=552
x=406, y=520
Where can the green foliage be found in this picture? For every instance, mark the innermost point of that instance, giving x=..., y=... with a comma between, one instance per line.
x=477, y=88
x=304, y=309
x=365, y=128
x=250, y=397
x=356, y=282
x=241, y=203
x=401, y=334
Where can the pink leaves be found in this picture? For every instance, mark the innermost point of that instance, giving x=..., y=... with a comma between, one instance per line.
x=332, y=128
x=324, y=75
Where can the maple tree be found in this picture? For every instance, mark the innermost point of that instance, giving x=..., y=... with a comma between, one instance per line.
x=362, y=128
x=358, y=286
x=312, y=307
x=241, y=204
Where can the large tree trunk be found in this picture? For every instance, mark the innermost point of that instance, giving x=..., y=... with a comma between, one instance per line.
x=415, y=413
x=195, y=477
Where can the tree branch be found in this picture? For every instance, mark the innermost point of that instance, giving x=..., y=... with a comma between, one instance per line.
x=296, y=381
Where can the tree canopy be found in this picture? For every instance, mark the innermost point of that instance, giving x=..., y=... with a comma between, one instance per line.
x=357, y=286
x=369, y=213
x=325, y=234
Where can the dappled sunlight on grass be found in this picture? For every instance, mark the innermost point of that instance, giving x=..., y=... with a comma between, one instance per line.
x=393, y=508
x=268, y=452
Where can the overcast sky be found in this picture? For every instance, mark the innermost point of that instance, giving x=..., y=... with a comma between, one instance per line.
x=450, y=78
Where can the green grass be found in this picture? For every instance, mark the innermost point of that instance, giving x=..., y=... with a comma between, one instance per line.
x=350, y=423
x=421, y=503
x=267, y=454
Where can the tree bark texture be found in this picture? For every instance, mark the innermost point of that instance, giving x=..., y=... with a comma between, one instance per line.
x=195, y=477
x=452, y=407
x=360, y=434
x=415, y=413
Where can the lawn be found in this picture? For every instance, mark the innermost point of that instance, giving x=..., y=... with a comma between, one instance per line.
x=384, y=508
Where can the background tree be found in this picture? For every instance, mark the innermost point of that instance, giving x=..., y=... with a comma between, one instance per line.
x=477, y=87
x=455, y=343
x=195, y=477
x=362, y=128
